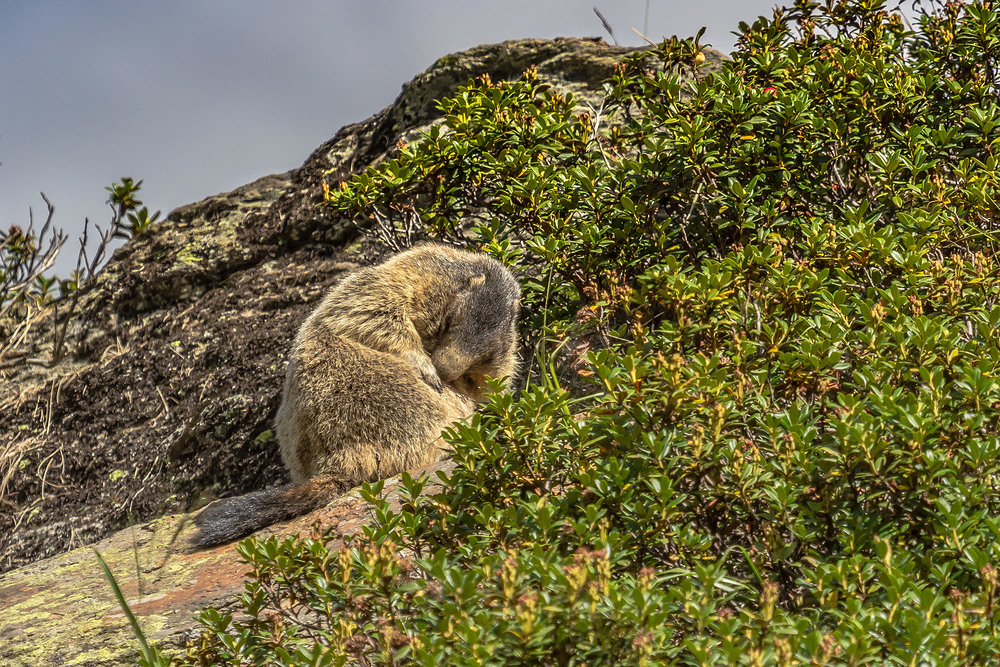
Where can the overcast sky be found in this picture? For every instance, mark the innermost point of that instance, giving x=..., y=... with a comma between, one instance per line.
x=197, y=97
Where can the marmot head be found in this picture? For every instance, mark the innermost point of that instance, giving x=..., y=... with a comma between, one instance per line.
x=477, y=335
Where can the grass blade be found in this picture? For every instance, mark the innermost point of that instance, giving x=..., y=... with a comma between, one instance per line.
x=143, y=644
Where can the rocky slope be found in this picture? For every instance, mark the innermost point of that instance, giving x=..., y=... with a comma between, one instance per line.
x=173, y=378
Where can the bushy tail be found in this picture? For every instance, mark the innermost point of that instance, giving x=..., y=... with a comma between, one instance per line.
x=232, y=518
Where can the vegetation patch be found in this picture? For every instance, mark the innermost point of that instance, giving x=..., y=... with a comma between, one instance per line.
x=762, y=422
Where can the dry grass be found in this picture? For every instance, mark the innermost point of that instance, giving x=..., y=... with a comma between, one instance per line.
x=12, y=453
x=19, y=440
x=15, y=348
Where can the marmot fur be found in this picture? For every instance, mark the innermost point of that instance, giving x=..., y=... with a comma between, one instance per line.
x=392, y=356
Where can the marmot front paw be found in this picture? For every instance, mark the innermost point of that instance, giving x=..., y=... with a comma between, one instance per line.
x=425, y=368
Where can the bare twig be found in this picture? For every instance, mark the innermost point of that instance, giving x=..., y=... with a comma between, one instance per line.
x=645, y=39
x=397, y=237
x=86, y=270
x=594, y=136
x=21, y=272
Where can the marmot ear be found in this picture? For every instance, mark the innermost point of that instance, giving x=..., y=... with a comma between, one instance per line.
x=477, y=280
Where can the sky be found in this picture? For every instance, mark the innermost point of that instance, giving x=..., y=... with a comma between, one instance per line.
x=197, y=97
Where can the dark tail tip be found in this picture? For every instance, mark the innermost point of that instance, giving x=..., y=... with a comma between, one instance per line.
x=230, y=519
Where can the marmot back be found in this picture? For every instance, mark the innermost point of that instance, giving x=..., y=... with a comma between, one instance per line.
x=393, y=355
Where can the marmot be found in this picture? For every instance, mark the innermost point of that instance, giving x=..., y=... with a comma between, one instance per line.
x=393, y=355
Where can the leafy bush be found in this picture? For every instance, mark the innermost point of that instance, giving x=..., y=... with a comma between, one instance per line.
x=780, y=285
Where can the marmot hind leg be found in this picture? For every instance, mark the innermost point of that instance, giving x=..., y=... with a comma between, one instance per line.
x=361, y=414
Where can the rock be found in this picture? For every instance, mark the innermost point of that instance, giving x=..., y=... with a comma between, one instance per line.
x=62, y=610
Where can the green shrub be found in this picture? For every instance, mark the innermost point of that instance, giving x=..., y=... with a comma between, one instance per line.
x=780, y=282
